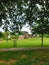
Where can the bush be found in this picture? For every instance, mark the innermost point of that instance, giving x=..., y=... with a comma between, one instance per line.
x=1, y=35
x=46, y=35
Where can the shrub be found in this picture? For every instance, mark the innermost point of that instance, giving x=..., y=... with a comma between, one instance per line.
x=1, y=35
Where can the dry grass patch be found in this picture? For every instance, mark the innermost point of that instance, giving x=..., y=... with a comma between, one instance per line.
x=23, y=56
x=9, y=62
x=1, y=40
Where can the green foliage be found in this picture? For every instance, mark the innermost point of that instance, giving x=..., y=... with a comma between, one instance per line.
x=1, y=35
x=21, y=32
x=32, y=13
x=12, y=33
x=6, y=35
x=13, y=36
x=46, y=35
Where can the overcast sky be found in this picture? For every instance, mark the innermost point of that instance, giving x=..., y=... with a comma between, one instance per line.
x=26, y=28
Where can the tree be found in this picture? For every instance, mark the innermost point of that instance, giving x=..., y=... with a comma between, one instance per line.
x=42, y=19
x=16, y=19
x=11, y=16
x=4, y=19
x=19, y=12
x=37, y=16
x=1, y=35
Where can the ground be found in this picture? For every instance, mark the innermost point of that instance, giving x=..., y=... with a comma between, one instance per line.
x=25, y=57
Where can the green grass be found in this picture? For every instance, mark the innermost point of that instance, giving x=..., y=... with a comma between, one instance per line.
x=25, y=43
x=29, y=42
x=6, y=44
x=26, y=57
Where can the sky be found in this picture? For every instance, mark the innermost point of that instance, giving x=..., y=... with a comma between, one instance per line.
x=1, y=29
x=26, y=28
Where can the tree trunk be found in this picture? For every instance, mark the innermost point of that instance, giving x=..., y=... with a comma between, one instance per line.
x=42, y=40
x=15, y=41
x=6, y=37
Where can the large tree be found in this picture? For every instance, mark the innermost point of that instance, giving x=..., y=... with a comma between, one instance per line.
x=37, y=16
x=12, y=17
x=42, y=18
x=11, y=13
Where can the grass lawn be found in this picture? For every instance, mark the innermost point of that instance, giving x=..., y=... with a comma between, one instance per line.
x=26, y=57
x=25, y=43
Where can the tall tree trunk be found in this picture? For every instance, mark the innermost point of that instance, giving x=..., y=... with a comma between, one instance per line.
x=15, y=42
x=6, y=36
x=42, y=40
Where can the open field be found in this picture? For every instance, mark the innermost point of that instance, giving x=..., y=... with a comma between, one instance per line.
x=25, y=57
x=24, y=43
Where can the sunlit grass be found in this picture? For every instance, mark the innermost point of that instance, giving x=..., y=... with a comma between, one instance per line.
x=25, y=43
x=29, y=42
x=46, y=42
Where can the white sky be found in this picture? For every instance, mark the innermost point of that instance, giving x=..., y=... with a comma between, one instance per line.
x=1, y=29
x=26, y=28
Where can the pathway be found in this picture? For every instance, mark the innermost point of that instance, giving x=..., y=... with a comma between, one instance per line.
x=28, y=48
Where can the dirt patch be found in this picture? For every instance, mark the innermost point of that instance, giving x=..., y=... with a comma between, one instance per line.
x=9, y=62
x=23, y=56
x=1, y=40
